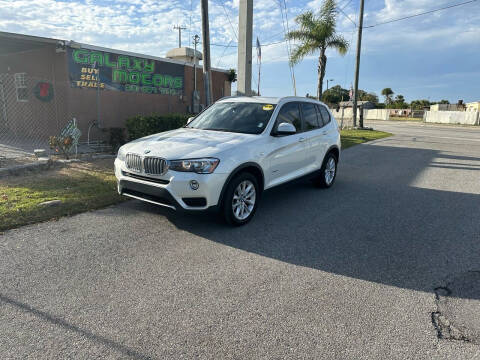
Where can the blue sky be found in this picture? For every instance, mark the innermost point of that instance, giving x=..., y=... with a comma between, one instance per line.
x=434, y=57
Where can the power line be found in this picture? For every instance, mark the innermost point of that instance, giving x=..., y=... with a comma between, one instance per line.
x=228, y=18
x=190, y=25
x=287, y=43
x=224, y=50
x=348, y=3
x=348, y=17
x=420, y=14
x=293, y=68
x=236, y=45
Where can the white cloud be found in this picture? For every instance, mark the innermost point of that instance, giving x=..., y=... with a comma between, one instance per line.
x=146, y=26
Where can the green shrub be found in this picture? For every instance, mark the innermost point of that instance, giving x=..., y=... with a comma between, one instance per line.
x=140, y=126
x=117, y=138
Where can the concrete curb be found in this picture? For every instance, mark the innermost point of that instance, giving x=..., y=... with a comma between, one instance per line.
x=42, y=164
x=16, y=170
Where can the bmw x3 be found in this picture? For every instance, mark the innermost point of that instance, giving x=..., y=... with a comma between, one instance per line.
x=225, y=157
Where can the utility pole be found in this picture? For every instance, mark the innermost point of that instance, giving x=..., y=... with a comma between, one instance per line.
x=357, y=66
x=245, y=34
x=179, y=28
x=206, y=54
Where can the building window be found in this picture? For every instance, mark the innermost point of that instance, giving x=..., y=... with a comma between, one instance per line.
x=21, y=86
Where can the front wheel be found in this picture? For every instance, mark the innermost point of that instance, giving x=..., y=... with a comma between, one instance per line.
x=328, y=172
x=241, y=199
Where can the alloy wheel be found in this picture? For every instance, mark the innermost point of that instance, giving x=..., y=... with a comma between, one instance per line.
x=243, y=201
x=330, y=169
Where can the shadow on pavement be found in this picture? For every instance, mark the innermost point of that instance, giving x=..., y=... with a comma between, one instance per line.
x=372, y=225
x=67, y=326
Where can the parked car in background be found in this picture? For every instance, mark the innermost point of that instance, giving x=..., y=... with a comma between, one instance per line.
x=225, y=157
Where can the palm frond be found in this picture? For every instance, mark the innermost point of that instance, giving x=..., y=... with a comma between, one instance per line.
x=307, y=20
x=316, y=32
x=300, y=35
x=339, y=43
x=328, y=11
x=300, y=52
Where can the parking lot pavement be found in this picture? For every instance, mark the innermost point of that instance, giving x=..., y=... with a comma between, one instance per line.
x=346, y=273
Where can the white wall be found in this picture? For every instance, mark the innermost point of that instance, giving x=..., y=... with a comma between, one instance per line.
x=452, y=117
x=376, y=114
x=371, y=114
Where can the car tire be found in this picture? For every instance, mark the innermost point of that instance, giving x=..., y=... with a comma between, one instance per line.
x=241, y=199
x=328, y=171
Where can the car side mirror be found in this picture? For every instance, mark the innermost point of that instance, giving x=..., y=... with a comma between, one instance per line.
x=190, y=119
x=285, y=129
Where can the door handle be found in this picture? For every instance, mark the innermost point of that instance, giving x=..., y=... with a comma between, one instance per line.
x=301, y=139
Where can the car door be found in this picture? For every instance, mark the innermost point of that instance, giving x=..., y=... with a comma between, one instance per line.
x=287, y=154
x=316, y=141
x=330, y=127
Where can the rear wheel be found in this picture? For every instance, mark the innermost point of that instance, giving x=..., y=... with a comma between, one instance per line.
x=328, y=172
x=241, y=199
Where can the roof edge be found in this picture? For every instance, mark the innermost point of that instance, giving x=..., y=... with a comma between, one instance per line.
x=98, y=48
x=29, y=37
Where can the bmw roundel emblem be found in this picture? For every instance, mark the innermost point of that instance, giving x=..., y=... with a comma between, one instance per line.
x=147, y=152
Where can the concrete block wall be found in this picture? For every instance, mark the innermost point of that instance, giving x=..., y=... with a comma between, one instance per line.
x=452, y=117
x=371, y=114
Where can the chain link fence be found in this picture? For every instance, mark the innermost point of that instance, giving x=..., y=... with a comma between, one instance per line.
x=33, y=109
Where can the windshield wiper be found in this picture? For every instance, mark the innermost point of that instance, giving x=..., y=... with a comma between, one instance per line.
x=222, y=130
x=225, y=130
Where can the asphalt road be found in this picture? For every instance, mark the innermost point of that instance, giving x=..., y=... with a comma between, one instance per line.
x=345, y=273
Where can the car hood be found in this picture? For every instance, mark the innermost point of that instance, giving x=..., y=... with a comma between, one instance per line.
x=187, y=143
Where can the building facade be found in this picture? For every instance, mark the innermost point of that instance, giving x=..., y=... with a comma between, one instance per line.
x=448, y=107
x=473, y=106
x=44, y=83
x=363, y=104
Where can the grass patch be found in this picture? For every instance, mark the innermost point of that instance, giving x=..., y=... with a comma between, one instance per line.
x=85, y=186
x=355, y=137
x=80, y=187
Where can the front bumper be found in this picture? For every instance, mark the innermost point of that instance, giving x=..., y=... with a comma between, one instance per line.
x=171, y=190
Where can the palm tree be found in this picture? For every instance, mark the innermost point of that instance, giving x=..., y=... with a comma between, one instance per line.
x=387, y=92
x=317, y=33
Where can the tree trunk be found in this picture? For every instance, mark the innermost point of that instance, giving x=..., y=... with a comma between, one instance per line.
x=322, y=64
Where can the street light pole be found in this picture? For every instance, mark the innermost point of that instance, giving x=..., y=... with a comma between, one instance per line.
x=328, y=81
x=357, y=67
x=196, y=40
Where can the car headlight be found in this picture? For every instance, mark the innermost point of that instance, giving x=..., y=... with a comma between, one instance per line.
x=122, y=153
x=199, y=166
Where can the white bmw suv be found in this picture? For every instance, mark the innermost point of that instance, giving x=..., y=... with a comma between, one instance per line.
x=225, y=157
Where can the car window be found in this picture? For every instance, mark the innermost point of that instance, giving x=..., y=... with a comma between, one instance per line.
x=310, y=117
x=290, y=113
x=247, y=118
x=325, y=115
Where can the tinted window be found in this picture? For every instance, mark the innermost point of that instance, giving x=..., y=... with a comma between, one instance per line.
x=290, y=113
x=325, y=115
x=248, y=118
x=310, y=116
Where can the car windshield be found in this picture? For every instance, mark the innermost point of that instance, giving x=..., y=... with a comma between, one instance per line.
x=246, y=117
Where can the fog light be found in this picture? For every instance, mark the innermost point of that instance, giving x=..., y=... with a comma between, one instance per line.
x=194, y=185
